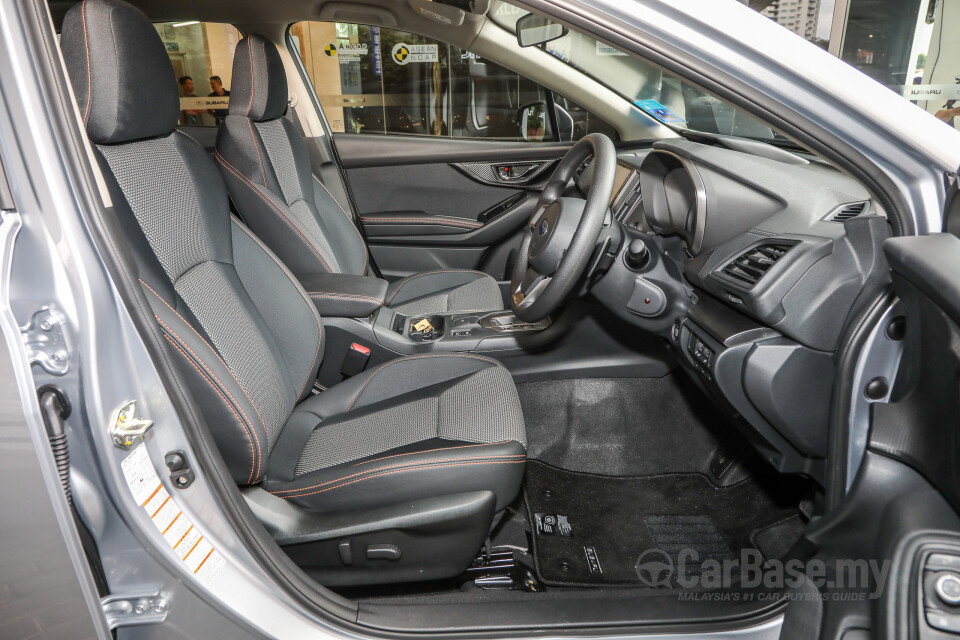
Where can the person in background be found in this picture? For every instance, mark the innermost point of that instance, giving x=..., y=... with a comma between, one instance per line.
x=189, y=117
x=217, y=91
x=947, y=115
x=950, y=110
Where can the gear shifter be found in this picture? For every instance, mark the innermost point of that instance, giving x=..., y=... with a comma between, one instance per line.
x=637, y=255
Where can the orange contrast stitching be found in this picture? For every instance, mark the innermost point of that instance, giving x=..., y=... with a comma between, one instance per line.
x=86, y=46
x=389, y=473
x=409, y=358
x=259, y=158
x=413, y=453
x=252, y=457
x=366, y=254
x=259, y=454
x=299, y=289
x=214, y=351
x=290, y=223
x=434, y=220
x=397, y=466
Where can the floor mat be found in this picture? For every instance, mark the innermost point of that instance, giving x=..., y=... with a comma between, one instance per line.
x=592, y=530
x=624, y=426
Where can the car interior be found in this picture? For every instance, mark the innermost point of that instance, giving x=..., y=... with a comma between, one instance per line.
x=512, y=358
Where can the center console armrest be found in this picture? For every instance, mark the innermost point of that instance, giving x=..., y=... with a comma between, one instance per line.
x=343, y=295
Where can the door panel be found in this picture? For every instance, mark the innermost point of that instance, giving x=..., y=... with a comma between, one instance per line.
x=428, y=203
x=370, y=150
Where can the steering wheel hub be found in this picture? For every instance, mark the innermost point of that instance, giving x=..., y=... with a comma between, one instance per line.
x=563, y=233
x=558, y=225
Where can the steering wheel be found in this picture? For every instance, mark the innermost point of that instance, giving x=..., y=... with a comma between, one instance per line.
x=563, y=232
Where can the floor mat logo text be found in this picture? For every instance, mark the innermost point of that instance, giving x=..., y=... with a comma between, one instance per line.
x=687, y=569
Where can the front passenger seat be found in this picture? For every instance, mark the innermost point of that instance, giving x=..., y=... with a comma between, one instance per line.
x=265, y=162
x=433, y=443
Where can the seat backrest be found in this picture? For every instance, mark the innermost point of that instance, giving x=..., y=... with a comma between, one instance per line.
x=239, y=326
x=266, y=164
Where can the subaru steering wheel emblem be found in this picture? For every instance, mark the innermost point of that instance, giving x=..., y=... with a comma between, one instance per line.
x=543, y=227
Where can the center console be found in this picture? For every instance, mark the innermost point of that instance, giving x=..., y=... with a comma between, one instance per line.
x=451, y=331
x=353, y=345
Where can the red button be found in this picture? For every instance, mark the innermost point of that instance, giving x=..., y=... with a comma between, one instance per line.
x=360, y=348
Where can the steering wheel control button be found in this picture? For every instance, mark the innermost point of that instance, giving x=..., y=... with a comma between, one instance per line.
x=647, y=299
x=948, y=589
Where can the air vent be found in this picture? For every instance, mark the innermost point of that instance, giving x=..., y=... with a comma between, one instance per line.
x=847, y=211
x=753, y=264
x=629, y=198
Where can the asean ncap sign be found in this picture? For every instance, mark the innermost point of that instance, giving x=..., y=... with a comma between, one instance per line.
x=404, y=54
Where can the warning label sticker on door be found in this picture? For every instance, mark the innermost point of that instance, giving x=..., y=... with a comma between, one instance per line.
x=174, y=525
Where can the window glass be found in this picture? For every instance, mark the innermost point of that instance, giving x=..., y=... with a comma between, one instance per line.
x=647, y=86
x=382, y=81
x=202, y=57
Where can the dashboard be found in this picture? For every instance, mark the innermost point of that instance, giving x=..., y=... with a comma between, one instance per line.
x=758, y=256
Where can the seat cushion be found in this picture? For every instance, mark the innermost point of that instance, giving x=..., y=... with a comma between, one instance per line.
x=444, y=291
x=412, y=428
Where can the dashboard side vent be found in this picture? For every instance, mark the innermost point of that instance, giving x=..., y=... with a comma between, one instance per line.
x=753, y=264
x=629, y=198
x=847, y=211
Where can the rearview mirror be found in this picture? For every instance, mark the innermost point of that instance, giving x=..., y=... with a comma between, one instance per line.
x=533, y=30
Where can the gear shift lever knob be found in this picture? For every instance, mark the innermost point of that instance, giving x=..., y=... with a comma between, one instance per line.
x=637, y=255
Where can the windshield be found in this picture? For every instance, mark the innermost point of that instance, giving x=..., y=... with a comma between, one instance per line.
x=662, y=95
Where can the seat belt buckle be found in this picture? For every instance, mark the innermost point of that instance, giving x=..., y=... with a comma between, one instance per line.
x=355, y=361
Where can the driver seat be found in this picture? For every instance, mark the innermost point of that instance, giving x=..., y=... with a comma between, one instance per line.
x=411, y=459
x=264, y=159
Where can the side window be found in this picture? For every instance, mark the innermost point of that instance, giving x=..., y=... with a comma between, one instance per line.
x=374, y=80
x=202, y=57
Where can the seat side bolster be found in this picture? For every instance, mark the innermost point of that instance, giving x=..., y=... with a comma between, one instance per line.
x=270, y=218
x=286, y=308
x=234, y=421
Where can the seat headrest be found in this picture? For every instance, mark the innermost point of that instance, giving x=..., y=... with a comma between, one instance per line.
x=259, y=89
x=121, y=75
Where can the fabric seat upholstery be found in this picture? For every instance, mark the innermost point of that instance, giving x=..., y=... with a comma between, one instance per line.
x=266, y=165
x=243, y=331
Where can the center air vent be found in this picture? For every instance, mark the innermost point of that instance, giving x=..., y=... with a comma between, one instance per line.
x=753, y=264
x=847, y=211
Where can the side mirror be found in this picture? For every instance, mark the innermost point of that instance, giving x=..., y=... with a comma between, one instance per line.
x=532, y=119
x=533, y=30
x=534, y=122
